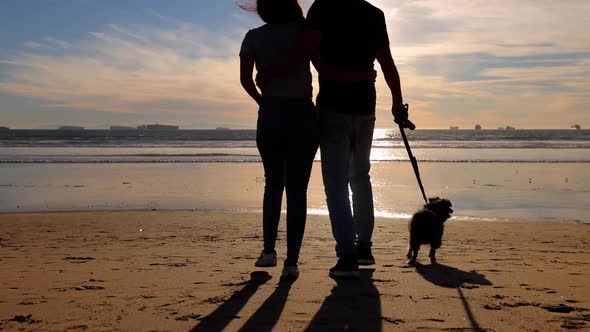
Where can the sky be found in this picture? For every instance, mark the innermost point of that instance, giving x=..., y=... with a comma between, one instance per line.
x=97, y=63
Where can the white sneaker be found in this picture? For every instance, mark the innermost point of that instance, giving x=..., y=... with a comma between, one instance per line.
x=266, y=259
x=290, y=272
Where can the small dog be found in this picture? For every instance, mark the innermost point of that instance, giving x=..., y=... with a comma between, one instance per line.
x=427, y=226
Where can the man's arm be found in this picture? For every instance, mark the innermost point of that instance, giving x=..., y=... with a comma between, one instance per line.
x=329, y=72
x=305, y=50
x=393, y=81
x=246, y=71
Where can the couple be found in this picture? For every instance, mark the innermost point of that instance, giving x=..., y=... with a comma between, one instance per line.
x=342, y=38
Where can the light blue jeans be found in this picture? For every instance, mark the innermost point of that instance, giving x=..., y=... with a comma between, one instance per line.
x=345, y=145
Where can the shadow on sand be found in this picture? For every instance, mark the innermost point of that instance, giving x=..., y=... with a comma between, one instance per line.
x=267, y=316
x=228, y=311
x=450, y=277
x=353, y=305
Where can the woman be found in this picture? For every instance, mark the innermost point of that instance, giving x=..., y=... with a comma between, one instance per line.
x=287, y=130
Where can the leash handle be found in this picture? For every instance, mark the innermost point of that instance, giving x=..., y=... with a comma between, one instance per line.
x=405, y=123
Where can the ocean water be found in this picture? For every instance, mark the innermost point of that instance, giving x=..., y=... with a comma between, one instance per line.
x=192, y=146
x=488, y=174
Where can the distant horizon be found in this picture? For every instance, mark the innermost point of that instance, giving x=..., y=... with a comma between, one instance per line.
x=246, y=128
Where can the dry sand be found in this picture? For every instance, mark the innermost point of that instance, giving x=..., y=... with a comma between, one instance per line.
x=181, y=271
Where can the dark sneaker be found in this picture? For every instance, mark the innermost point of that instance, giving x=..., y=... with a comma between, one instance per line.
x=346, y=267
x=266, y=259
x=365, y=257
x=290, y=272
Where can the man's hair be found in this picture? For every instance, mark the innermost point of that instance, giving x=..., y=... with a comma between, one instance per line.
x=274, y=11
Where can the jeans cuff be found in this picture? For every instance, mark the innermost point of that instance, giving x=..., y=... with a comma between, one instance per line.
x=364, y=245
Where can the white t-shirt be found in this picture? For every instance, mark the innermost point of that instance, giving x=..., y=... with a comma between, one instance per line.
x=267, y=44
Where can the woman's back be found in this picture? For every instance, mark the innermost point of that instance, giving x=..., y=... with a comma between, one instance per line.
x=267, y=44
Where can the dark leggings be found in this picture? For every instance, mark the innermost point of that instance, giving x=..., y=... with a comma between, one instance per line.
x=287, y=139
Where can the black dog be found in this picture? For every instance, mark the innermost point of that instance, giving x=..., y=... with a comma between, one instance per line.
x=427, y=226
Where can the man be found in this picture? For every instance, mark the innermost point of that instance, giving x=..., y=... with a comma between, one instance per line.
x=347, y=36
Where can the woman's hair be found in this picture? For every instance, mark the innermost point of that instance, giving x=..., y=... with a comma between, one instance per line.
x=274, y=11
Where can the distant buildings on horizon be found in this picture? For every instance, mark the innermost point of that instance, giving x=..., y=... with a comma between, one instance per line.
x=120, y=128
x=160, y=127
x=155, y=127
x=506, y=128
x=70, y=128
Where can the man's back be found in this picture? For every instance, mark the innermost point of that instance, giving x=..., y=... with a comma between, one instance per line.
x=352, y=32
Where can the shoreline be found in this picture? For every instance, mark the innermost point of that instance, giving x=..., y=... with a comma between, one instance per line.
x=383, y=216
x=186, y=270
x=495, y=191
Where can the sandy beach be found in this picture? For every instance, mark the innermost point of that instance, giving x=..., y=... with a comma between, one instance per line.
x=182, y=271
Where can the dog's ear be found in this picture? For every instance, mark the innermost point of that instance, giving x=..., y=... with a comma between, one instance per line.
x=433, y=199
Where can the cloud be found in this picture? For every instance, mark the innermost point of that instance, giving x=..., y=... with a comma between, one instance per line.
x=178, y=67
x=464, y=61
x=57, y=42
x=542, y=44
x=33, y=45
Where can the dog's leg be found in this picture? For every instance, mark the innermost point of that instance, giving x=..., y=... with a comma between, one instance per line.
x=432, y=255
x=414, y=249
x=409, y=253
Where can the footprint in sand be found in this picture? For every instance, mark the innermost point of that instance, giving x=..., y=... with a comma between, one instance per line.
x=188, y=317
x=82, y=288
x=562, y=308
x=26, y=303
x=491, y=307
x=28, y=319
x=79, y=260
x=214, y=300
x=576, y=323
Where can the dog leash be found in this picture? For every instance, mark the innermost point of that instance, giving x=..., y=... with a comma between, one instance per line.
x=408, y=124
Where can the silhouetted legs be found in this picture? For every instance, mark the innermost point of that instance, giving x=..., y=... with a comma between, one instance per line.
x=298, y=170
x=287, y=141
x=345, y=144
x=273, y=160
x=360, y=181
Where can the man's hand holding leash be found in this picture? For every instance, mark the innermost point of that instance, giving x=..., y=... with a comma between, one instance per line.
x=400, y=116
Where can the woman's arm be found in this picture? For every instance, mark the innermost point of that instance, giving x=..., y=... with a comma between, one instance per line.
x=246, y=71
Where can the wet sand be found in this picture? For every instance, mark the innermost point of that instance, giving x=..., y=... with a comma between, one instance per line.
x=175, y=271
x=504, y=191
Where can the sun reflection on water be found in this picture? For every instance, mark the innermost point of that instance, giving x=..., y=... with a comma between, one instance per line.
x=378, y=213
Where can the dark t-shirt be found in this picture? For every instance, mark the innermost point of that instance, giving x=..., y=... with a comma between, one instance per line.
x=352, y=32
